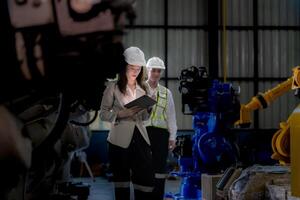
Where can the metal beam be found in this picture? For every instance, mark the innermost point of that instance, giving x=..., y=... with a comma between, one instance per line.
x=248, y=79
x=213, y=37
x=205, y=27
x=255, y=61
x=166, y=13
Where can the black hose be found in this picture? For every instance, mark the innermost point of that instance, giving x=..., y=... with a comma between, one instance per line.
x=59, y=126
x=85, y=123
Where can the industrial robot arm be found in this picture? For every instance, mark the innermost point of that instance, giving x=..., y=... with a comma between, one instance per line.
x=263, y=100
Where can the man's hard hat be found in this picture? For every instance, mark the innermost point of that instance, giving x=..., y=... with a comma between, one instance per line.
x=134, y=56
x=156, y=63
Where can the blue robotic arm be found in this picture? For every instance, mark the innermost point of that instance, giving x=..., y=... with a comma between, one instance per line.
x=215, y=107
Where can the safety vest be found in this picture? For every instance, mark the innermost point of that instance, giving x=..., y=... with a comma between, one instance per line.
x=158, y=117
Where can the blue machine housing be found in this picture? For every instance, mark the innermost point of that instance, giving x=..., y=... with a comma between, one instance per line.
x=212, y=151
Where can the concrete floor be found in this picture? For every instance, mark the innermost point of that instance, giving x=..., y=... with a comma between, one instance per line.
x=101, y=189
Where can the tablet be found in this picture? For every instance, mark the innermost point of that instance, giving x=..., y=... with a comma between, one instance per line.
x=142, y=102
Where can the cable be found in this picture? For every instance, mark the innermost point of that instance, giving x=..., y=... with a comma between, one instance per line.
x=58, y=128
x=85, y=123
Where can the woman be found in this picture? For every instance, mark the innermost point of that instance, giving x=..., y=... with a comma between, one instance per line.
x=129, y=144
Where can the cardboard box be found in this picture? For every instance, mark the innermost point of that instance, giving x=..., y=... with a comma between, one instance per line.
x=208, y=186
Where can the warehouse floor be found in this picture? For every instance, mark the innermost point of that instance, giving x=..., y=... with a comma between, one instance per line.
x=102, y=189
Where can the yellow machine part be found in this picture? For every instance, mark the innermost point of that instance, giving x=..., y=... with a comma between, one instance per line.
x=281, y=144
x=268, y=97
x=296, y=81
x=278, y=91
x=295, y=151
x=263, y=100
x=246, y=110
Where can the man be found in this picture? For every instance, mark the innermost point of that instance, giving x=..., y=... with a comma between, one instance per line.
x=161, y=126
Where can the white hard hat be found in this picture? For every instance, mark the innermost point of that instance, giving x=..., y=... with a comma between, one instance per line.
x=134, y=56
x=156, y=63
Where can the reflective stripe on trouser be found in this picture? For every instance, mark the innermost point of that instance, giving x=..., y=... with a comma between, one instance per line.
x=132, y=164
x=125, y=184
x=160, y=176
x=142, y=188
x=159, y=139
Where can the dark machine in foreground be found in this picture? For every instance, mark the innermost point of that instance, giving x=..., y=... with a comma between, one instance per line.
x=55, y=57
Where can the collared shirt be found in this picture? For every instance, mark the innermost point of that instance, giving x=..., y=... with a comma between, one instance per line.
x=170, y=111
x=130, y=95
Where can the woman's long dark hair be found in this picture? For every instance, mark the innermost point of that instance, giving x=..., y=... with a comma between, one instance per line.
x=122, y=79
